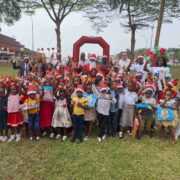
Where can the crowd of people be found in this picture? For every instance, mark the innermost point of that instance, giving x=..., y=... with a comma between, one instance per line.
x=65, y=98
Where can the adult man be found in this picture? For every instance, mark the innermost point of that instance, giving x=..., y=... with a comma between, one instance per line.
x=104, y=65
x=124, y=62
x=24, y=66
x=83, y=61
x=138, y=67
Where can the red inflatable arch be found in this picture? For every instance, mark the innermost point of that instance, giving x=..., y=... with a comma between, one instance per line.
x=90, y=40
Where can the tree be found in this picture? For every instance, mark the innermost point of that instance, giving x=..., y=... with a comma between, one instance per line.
x=134, y=15
x=58, y=10
x=166, y=11
x=10, y=11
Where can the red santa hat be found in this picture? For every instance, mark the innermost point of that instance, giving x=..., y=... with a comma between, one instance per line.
x=80, y=88
x=31, y=90
x=93, y=57
x=100, y=73
x=103, y=87
x=149, y=87
x=173, y=82
x=105, y=56
x=118, y=85
x=116, y=66
x=138, y=74
x=140, y=56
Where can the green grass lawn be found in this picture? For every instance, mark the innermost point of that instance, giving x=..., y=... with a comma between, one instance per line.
x=7, y=69
x=111, y=159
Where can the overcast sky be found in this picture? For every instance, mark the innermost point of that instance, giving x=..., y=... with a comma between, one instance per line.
x=75, y=26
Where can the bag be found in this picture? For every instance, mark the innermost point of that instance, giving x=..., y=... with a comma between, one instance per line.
x=91, y=100
x=165, y=113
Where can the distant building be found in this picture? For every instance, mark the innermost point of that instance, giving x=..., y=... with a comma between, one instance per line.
x=10, y=47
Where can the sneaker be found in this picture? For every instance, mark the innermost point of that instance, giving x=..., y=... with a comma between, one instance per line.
x=176, y=137
x=104, y=137
x=129, y=132
x=64, y=138
x=5, y=138
x=1, y=138
x=12, y=138
x=44, y=134
x=31, y=138
x=99, y=139
x=37, y=138
x=58, y=136
x=86, y=138
x=51, y=136
x=18, y=137
x=81, y=140
x=120, y=135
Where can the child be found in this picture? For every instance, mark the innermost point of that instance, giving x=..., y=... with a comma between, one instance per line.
x=3, y=115
x=168, y=103
x=79, y=104
x=103, y=106
x=47, y=108
x=120, y=90
x=112, y=123
x=61, y=117
x=90, y=113
x=146, y=114
x=15, y=119
x=32, y=105
x=130, y=98
x=178, y=127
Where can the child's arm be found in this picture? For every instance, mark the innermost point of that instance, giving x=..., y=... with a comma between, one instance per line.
x=95, y=90
x=84, y=106
x=174, y=107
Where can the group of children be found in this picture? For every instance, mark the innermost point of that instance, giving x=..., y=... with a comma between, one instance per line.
x=65, y=100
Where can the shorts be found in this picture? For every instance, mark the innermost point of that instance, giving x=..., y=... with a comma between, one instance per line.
x=34, y=122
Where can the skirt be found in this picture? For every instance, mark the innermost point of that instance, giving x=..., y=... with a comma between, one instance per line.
x=15, y=119
x=61, y=119
x=127, y=117
x=46, y=114
x=90, y=115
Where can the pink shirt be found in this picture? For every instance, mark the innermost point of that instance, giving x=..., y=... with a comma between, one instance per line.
x=13, y=103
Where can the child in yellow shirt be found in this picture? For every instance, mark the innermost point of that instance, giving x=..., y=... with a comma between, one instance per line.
x=79, y=104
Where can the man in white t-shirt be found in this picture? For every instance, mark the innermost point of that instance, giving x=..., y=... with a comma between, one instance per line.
x=138, y=66
x=124, y=62
x=83, y=61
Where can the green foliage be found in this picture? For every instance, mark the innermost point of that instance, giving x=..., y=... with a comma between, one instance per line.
x=10, y=11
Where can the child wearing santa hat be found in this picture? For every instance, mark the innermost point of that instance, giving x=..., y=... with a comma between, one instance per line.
x=103, y=106
x=61, y=117
x=114, y=110
x=79, y=104
x=15, y=118
x=120, y=90
x=146, y=114
x=32, y=105
x=90, y=112
x=130, y=99
x=168, y=103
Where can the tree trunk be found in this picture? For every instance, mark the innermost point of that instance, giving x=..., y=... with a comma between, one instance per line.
x=159, y=24
x=58, y=37
x=133, y=41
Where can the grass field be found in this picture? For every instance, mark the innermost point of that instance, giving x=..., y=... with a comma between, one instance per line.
x=111, y=159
